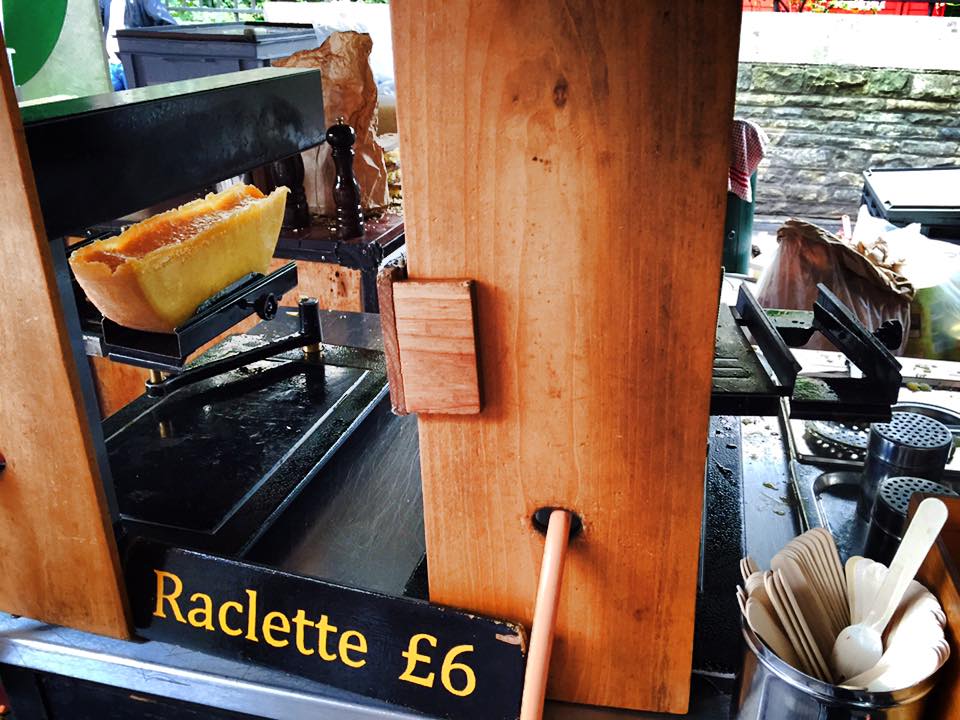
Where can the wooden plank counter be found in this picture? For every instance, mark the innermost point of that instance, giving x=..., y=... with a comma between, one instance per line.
x=58, y=557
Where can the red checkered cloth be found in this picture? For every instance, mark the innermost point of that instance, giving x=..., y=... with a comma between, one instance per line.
x=747, y=148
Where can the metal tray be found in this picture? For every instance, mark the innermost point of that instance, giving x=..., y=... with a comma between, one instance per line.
x=833, y=445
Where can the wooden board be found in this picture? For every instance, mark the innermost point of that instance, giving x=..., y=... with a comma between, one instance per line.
x=334, y=286
x=58, y=558
x=117, y=384
x=437, y=342
x=941, y=575
x=572, y=159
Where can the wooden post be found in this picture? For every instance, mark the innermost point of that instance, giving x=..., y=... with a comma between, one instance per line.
x=571, y=157
x=58, y=558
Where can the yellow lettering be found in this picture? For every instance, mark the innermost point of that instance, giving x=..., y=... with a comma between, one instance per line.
x=252, y=615
x=449, y=666
x=222, y=617
x=346, y=647
x=269, y=628
x=206, y=610
x=325, y=627
x=300, y=620
x=413, y=657
x=170, y=597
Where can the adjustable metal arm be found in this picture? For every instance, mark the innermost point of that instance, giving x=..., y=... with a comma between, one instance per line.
x=309, y=337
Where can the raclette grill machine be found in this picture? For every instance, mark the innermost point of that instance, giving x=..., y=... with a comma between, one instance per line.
x=257, y=416
x=227, y=499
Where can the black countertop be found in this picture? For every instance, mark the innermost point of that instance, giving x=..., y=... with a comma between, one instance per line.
x=372, y=487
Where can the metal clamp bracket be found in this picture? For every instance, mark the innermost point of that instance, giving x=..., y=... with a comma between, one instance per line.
x=309, y=338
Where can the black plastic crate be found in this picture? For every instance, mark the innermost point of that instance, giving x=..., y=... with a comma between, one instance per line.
x=929, y=196
x=183, y=52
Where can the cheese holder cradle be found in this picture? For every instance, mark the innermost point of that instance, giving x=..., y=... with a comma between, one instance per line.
x=153, y=275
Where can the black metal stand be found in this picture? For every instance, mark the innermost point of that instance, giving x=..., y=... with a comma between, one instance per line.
x=216, y=460
x=742, y=386
x=167, y=352
x=309, y=337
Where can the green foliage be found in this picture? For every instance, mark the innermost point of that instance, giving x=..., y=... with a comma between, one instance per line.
x=183, y=10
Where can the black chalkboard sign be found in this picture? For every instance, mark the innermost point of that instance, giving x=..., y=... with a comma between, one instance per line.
x=436, y=660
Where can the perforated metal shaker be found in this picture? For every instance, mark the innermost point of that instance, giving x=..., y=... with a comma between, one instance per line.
x=890, y=514
x=910, y=444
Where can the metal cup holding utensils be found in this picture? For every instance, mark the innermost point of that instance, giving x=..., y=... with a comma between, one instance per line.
x=770, y=689
x=912, y=445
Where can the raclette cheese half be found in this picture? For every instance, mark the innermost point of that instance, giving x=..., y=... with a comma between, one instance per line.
x=154, y=274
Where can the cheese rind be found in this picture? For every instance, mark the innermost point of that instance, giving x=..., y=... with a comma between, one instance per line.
x=154, y=274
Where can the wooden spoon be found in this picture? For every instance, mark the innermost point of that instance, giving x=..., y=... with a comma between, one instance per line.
x=833, y=558
x=807, y=638
x=826, y=551
x=807, y=603
x=786, y=621
x=770, y=631
x=753, y=582
x=815, y=570
x=757, y=591
x=860, y=646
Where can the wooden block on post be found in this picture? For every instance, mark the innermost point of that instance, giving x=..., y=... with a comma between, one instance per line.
x=436, y=338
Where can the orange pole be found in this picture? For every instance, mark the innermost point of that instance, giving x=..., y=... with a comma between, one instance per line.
x=545, y=616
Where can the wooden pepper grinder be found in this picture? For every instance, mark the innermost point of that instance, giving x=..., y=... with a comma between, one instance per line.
x=346, y=190
x=289, y=172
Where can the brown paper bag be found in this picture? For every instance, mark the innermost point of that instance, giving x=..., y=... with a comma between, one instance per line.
x=349, y=92
x=807, y=255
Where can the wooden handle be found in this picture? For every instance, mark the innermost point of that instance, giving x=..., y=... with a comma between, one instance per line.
x=545, y=616
x=917, y=541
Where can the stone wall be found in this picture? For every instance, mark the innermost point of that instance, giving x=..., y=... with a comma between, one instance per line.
x=828, y=123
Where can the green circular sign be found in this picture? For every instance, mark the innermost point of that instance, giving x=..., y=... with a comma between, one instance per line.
x=32, y=28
